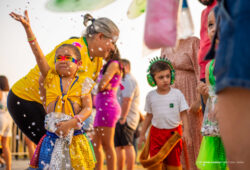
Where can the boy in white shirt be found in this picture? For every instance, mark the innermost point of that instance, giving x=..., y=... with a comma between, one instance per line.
x=166, y=109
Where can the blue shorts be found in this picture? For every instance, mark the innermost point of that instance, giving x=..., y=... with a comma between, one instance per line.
x=232, y=67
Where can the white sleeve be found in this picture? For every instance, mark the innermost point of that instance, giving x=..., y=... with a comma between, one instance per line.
x=183, y=103
x=148, y=107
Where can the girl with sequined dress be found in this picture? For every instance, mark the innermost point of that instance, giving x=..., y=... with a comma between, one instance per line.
x=68, y=103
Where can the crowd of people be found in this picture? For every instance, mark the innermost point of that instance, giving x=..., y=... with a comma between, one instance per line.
x=81, y=99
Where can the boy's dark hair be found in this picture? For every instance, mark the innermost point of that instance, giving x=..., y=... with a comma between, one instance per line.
x=158, y=66
x=74, y=49
x=4, y=85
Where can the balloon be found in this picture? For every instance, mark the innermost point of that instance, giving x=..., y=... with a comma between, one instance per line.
x=161, y=23
x=76, y=5
x=136, y=8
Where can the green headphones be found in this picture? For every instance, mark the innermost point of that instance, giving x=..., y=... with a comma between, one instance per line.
x=150, y=77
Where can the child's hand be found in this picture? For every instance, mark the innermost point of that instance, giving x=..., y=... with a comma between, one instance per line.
x=186, y=136
x=141, y=139
x=23, y=19
x=202, y=88
x=63, y=128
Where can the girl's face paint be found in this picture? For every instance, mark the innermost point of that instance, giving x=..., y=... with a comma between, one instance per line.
x=66, y=63
x=66, y=58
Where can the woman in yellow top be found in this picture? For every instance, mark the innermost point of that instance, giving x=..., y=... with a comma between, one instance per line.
x=68, y=103
x=24, y=102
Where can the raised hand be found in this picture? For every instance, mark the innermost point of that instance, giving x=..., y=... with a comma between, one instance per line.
x=23, y=19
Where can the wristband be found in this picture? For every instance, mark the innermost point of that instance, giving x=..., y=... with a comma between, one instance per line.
x=77, y=117
x=79, y=121
x=32, y=39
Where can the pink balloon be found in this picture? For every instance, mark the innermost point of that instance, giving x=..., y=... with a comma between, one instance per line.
x=161, y=23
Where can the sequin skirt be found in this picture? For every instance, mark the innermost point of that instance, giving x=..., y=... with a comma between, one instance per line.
x=75, y=153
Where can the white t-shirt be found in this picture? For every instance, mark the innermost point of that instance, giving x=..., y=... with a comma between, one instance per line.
x=166, y=108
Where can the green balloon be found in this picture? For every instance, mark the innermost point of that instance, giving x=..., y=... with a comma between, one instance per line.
x=136, y=8
x=76, y=5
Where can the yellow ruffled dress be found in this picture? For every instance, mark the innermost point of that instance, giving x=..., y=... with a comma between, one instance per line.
x=81, y=150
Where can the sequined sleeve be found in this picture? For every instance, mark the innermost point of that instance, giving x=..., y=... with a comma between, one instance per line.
x=87, y=85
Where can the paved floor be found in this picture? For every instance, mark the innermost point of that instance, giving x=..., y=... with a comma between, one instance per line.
x=19, y=164
x=24, y=164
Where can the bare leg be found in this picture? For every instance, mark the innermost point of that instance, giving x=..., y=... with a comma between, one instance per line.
x=120, y=158
x=31, y=146
x=98, y=148
x=234, y=116
x=107, y=135
x=6, y=152
x=2, y=161
x=130, y=156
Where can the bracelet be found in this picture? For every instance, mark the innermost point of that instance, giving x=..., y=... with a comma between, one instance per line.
x=77, y=117
x=79, y=121
x=31, y=39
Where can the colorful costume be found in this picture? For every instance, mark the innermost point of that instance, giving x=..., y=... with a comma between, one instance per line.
x=108, y=109
x=78, y=152
x=24, y=103
x=212, y=154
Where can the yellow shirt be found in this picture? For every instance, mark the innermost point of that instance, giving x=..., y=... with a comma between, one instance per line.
x=79, y=86
x=27, y=88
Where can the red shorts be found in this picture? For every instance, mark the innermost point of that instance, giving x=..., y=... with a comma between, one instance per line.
x=158, y=138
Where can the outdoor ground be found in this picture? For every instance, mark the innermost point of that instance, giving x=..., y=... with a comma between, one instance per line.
x=22, y=164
